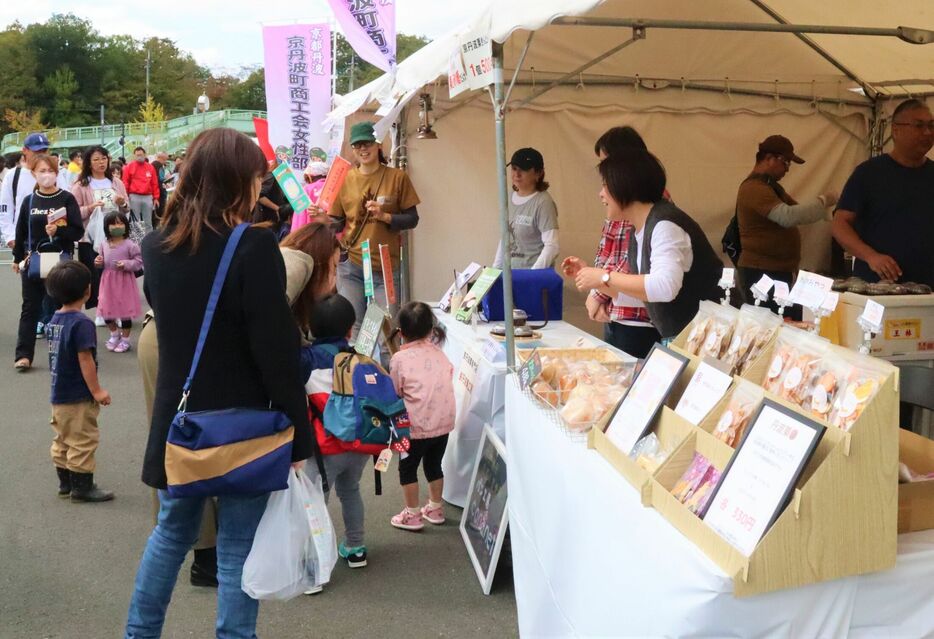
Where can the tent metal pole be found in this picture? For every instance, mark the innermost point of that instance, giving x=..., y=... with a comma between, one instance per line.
x=637, y=34
x=515, y=74
x=499, y=116
x=908, y=34
x=868, y=90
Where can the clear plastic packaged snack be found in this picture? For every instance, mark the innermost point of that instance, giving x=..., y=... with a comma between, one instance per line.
x=863, y=381
x=649, y=454
x=699, y=326
x=794, y=364
x=691, y=479
x=719, y=331
x=743, y=402
x=755, y=326
x=697, y=503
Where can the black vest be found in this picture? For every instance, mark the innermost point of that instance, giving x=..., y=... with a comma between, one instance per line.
x=700, y=283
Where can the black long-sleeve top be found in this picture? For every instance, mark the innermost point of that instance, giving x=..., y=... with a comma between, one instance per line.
x=252, y=352
x=35, y=211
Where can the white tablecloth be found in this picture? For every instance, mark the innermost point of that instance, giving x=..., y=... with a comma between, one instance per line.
x=590, y=561
x=485, y=403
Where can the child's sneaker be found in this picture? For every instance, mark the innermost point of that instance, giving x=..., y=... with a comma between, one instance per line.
x=433, y=514
x=407, y=520
x=113, y=341
x=355, y=556
x=122, y=347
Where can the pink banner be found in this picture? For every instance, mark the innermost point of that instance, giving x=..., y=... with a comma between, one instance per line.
x=370, y=28
x=298, y=91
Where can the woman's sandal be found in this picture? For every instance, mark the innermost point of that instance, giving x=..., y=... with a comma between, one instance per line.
x=22, y=365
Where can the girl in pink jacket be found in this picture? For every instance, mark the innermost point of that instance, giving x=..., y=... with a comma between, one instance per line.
x=424, y=379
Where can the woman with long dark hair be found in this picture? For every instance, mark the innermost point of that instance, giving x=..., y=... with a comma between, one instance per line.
x=96, y=189
x=250, y=359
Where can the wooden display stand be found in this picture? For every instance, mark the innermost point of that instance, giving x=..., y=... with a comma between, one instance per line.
x=841, y=519
x=916, y=500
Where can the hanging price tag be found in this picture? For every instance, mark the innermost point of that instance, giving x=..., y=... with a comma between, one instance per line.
x=382, y=462
x=872, y=316
x=810, y=289
x=728, y=279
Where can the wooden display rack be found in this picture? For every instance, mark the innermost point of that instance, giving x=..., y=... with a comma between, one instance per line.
x=841, y=519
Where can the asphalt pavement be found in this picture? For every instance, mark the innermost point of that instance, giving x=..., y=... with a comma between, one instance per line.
x=67, y=570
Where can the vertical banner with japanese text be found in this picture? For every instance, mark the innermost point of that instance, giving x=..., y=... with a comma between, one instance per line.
x=298, y=91
x=370, y=28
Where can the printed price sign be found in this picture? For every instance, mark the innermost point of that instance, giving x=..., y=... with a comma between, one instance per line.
x=706, y=388
x=810, y=289
x=728, y=279
x=781, y=292
x=477, y=53
x=872, y=316
x=760, y=477
x=829, y=305
x=291, y=187
x=375, y=321
x=531, y=369
x=367, y=270
x=457, y=75
x=762, y=288
x=494, y=351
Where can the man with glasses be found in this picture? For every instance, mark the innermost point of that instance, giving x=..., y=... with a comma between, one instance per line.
x=885, y=217
x=768, y=218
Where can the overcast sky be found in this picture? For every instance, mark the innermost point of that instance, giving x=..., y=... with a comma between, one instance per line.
x=225, y=34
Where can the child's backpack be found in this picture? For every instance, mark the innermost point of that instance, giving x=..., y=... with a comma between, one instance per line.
x=363, y=408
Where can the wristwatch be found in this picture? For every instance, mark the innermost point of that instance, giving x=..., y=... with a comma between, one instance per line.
x=605, y=278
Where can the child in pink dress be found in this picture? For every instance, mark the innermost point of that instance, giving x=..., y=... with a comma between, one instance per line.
x=119, y=296
x=424, y=379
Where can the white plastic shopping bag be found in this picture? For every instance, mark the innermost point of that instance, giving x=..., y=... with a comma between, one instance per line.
x=283, y=561
x=322, y=530
x=96, y=229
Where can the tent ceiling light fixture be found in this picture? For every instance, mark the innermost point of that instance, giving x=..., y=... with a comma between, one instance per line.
x=424, y=131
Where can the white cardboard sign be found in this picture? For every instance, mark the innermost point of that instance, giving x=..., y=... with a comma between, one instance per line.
x=706, y=388
x=810, y=289
x=872, y=315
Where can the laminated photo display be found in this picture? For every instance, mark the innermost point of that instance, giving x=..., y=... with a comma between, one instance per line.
x=461, y=281
x=477, y=292
x=758, y=482
x=648, y=392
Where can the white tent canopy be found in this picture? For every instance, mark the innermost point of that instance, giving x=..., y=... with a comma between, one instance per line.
x=701, y=98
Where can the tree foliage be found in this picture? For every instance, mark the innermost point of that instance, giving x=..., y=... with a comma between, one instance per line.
x=61, y=71
x=151, y=111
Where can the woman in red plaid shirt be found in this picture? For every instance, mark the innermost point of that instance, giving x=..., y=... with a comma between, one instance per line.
x=627, y=325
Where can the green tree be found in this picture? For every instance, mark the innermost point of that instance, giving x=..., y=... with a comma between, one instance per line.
x=62, y=89
x=23, y=121
x=17, y=73
x=249, y=93
x=151, y=111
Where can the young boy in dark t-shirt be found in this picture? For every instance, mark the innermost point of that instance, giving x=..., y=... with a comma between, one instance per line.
x=76, y=392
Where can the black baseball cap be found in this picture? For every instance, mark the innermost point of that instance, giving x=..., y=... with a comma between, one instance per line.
x=527, y=159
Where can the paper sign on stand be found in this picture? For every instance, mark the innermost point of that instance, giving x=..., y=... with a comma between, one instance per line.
x=494, y=351
x=759, y=480
x=389, y=285
x=333, y=183
x=761, y=289
x=810, y=289
x=872, y=316
x=706, y=388
x=291, y=187
x=375, y=323
x=829, y=305
x=477, y=292
x=368, y=290
x=634, y=415
x=460, y=281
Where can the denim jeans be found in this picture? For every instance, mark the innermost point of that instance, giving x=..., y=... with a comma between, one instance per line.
x=173, y=536
x=350, y=285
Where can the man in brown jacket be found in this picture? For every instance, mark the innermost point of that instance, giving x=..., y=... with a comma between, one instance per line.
x=768, y=217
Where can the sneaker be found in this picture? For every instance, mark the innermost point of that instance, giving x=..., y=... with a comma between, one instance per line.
x=40, y=330
x=123, y=346
x=433, y=515
x=407, y=520
x=314, y=590
x=99, y=322
x=113, y=341
x=355, y=556
x=22, y=365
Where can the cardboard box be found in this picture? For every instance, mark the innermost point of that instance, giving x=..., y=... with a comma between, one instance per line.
x=916, y=500
x=908, y=325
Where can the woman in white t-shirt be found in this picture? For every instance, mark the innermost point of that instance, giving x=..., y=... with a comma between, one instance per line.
x=96, y=187
x=533, y=216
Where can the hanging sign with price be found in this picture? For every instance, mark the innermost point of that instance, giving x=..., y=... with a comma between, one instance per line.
x=477, y=54
x=457, y=75
x=531, y=369
x=758, y=482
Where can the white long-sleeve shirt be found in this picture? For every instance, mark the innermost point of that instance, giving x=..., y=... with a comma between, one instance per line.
x=9, y=210
x=672, y=257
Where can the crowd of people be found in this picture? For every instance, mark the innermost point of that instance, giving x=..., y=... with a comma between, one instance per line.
x=82, y=232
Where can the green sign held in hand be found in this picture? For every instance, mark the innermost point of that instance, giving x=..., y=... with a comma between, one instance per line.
x=291, y=187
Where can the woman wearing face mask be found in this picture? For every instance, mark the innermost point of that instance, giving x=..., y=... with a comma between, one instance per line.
x=97, y=188
x=36, y=232
x=675, y=266
x=376, y=203
x=533, y=216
